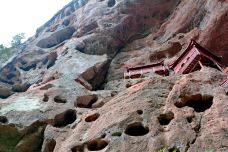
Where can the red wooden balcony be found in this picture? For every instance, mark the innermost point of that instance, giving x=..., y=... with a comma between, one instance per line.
x=140, y=71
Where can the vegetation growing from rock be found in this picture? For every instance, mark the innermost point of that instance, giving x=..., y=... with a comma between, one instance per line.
x=17, y=39
x=5, y=53
x=9, y=138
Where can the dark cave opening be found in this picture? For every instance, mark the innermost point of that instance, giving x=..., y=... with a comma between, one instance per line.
x=93, y=117
x=136, y=129
x=65, y=118
x=111, y=3
x=96, y=145
x=165, y=119
x=198, y=102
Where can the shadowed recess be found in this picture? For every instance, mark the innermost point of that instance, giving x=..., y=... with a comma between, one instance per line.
x=198, y=102
x=174, y=150
x=56, y=38
x=79, y=148
x=140, y=112
x=65, y=118
x=45, y=98
x=86, y=101
x=93, y=117
x=46, y=87
x=3, y=119
x=60, y=99
x=136, y=129
x=118, y=134
x=165, y=119
x=50, y=145
x=96, y=145
x=111, y=3
x=52, y=57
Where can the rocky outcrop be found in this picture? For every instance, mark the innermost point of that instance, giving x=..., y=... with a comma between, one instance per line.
x=65, y=90
x=147, y=113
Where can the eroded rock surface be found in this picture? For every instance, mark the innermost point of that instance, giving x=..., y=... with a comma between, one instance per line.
x=65, y=92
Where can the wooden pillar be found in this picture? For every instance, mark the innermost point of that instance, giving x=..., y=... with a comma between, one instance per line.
x=201, y=65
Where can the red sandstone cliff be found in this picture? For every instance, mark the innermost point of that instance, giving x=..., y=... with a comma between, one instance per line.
x=65, y=91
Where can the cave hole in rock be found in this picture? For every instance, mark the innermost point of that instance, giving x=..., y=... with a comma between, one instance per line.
x=29, y=67
x=92, y=117
x=114, y=93
x=140, y=112
x=96, y=145
x=45, y=98
x=86, y=101
x=165, y=119
x=10, y=76
x=189, y=119
x=118, y=134
x=103, y=135
x=66, y=22
x=128, y=85
x=136, y=129
x=174, y=150
x=60, y=99
x=56, y=38
x=52, y=57
x=198, y=102
x=65, y=118
x=3, y=119
x=20, y=87
x=111, y=3
x=46, y=87
x=50, y=145
x=79, y=148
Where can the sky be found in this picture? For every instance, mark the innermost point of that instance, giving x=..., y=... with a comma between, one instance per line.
x=17, y=16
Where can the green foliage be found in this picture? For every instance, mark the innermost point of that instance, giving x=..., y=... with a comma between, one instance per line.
x=5, y=53
x=162, y=150
x=9, y=138
x=117, y=134
x=17, y=39
x=175, y=150
x=207, y=150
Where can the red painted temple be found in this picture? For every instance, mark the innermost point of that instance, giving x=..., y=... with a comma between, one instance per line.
x=194, y=58
x=139, y=71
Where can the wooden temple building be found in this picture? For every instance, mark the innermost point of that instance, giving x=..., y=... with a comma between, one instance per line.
x=194, y=58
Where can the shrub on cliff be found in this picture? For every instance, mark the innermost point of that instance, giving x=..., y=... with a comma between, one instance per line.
x=5, y=53
x=17, y=39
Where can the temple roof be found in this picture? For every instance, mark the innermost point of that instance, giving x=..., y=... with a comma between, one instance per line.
x=192, y=44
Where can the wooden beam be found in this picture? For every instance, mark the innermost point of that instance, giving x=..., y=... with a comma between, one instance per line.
x=201, y=65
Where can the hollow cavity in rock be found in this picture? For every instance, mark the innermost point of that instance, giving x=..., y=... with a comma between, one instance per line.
x=136, y=129
x=86, y=101
x=60, y=99
x=96, y=145
x=65, y=118
x=92, y=117
x=165, y=119
x=198, y=102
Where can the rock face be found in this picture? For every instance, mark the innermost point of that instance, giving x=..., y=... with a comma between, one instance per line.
x=65, y=92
